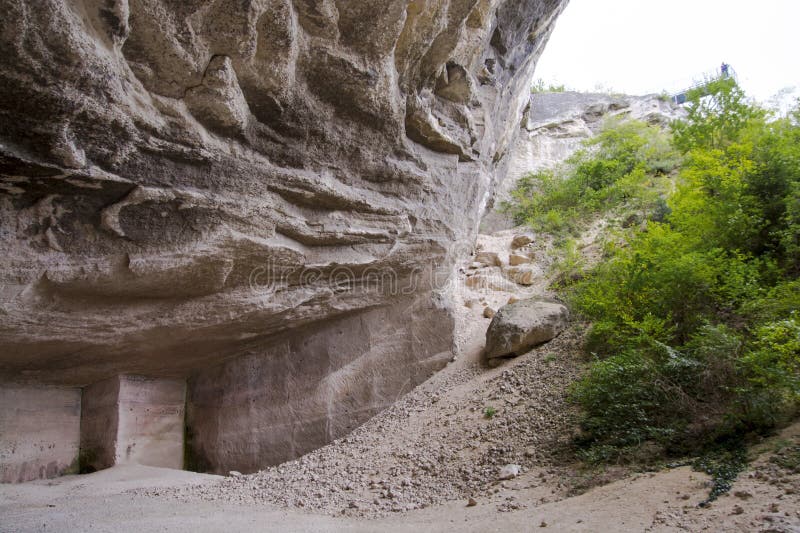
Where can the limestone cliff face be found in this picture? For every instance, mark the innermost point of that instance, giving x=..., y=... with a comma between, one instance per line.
x=556, y=125
x=218, y=191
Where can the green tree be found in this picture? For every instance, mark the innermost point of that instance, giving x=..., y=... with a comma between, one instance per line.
x=717, y=113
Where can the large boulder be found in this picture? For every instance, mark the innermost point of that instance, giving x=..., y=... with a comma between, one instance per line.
x=519, y=326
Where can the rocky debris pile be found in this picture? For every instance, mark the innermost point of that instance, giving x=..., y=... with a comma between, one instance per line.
x=505, y=267
x=519, y=326
x=436, y=444
x=503, y=262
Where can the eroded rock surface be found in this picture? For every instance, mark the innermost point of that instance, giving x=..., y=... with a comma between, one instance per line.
x=188, y=189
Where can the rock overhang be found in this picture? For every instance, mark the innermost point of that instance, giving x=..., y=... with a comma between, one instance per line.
x=184, y=185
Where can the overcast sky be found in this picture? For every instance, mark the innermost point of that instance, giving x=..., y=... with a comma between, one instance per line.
x=646, y=46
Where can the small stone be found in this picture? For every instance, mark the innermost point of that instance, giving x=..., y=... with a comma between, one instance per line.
x=516, y=260
x=353, y=505
x=519, y=241
x=487, y=259
x=513, y=299
x=523, y=275
x=472, y=502
x=509, y=471
x=543, y=524
x=737, y=509
x=488, y=312
x=234, y=473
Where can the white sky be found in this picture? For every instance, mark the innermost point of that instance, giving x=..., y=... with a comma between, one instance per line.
x=646, y=46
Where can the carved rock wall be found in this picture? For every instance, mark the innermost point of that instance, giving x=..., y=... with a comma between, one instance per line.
x=39, y=432
x=185, y=183
x=132, y=419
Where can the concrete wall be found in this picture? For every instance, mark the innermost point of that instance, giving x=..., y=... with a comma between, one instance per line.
x=309, y=389
x=133, y=419
x=39, y=432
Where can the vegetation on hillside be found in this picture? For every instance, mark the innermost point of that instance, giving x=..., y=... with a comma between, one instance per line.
x=624, y=168
x=695, y=307
x=540, y=86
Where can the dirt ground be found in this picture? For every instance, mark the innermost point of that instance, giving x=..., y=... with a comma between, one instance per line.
x=665, y=501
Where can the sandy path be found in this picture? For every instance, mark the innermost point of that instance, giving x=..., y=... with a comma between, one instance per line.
x=99, y=502
x=664, y=501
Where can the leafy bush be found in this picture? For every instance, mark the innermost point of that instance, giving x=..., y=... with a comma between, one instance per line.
x=625, y=405
x=772, y=364
x=717, y=114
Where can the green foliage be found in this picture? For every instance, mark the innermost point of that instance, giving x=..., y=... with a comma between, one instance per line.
x=772, y=364
x=540, y=86
x=723, y=465
x=717, y=112
x=746, y=196
x=696, y=314
x=624, y=165
x=773, y=303
x=695, y=308
x=569, y=264
x=625, y=409
x=489, y=412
